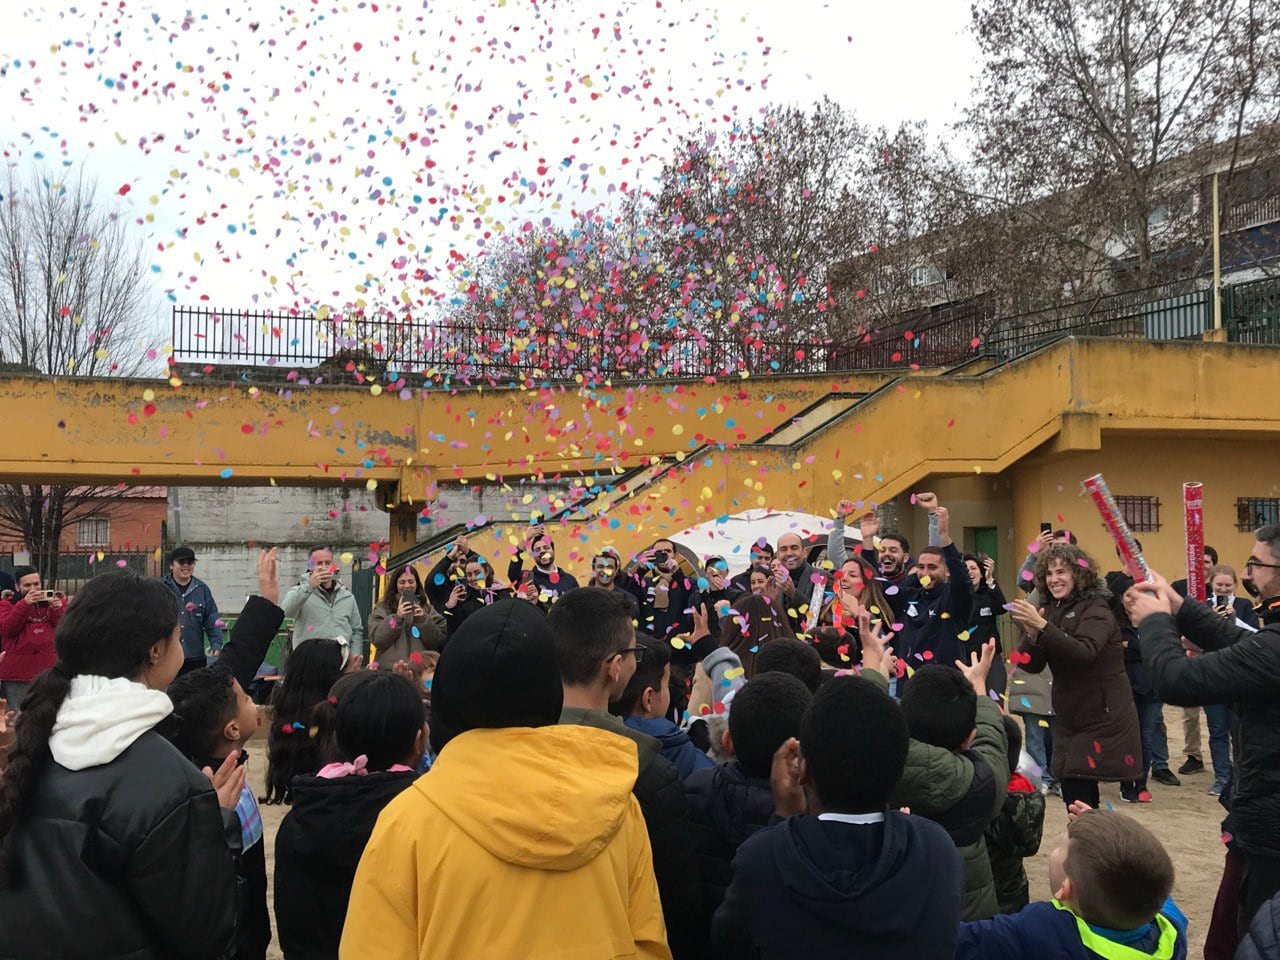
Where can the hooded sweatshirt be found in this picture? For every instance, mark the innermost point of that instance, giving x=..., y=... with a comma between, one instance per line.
x=726, y=806
x=318, y=848
x=521, y=842
x=816, y=888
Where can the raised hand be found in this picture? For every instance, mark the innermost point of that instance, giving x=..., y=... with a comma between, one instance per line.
x=979, y=665
x=876, y=652
x=700, y=623
x=268, y=582
x=784, y=780
x=927, y=501
x=869, y=527
x=228, y=781
x=844, y=509
x=944, y=524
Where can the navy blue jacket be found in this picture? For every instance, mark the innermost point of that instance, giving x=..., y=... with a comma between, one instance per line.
x=676, y=745
x=198, y=615
x=824, y=889
x=933, y=617
x=1050, y=930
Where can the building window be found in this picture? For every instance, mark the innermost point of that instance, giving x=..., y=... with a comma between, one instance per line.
x=1254, y=512
x=93, y=533
x=925, y=275
x=1142, y=514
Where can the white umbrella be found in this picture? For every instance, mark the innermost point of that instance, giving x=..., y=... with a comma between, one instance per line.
x=731, y=537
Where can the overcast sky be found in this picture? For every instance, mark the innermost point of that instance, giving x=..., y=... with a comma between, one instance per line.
x=313, y=153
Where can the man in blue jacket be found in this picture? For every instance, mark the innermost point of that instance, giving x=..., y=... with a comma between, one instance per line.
x=197, y=611
x=937, y=599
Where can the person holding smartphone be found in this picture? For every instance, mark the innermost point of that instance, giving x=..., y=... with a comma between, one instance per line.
x=27, y=623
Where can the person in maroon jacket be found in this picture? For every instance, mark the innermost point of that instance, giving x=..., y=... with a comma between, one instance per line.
x=27, y=623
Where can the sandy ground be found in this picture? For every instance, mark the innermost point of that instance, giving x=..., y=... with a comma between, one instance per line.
x=1186, y=819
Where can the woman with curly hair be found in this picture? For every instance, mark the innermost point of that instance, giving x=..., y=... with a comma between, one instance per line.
x=1076, y=636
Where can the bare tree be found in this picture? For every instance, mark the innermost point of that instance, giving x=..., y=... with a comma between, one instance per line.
x=1112, y=108
x=75, y=300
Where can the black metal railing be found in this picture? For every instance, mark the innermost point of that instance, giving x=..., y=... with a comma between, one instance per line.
x=338, y=346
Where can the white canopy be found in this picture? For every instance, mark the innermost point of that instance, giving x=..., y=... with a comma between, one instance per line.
x=732, y=537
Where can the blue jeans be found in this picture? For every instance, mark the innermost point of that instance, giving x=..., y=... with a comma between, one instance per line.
x=1155, y=743
x=1039, y=744
x=1219, y=717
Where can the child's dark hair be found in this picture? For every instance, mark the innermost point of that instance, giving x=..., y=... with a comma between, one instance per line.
x=649, y=671
x=108, y=630
x=1121, y=873
x=840, y=651
x=940, y=705
x=324, y=718
x=766, y=714
x=791, y=656
x=314, y=667
x=1013, y=733
x=380, y=719
x=204, y=701
x=854, y=742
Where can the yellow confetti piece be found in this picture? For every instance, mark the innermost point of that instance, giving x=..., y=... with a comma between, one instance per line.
x=148, y=395
x=678, y=643
x=346, y=558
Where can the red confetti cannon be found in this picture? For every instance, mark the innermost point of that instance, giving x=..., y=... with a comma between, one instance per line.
x=1193, y=512
x=1127, y=547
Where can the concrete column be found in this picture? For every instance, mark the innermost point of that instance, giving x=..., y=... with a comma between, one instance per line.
x=403, y=528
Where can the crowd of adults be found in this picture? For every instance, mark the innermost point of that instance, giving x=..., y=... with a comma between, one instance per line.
x=814, y=755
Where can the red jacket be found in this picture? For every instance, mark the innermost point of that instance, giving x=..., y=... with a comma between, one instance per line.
x=26, y=636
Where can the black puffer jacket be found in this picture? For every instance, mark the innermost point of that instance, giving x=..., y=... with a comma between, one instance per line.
x=726, y=806
x=1262, y=942
x=318, y=848
x=134, y=858
x=1240, y=668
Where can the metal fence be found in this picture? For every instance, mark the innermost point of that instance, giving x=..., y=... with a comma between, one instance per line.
x=335, y=346
x=77, y=567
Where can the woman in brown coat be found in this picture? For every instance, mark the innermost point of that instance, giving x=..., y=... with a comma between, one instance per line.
x=404, y=622
x=1076, y=636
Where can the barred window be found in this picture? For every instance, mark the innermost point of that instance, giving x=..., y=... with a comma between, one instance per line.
x=93, y=532
x=1254, y=512
x=1142, y=514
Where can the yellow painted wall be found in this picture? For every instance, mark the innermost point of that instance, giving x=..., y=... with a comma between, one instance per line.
x=1151, y=466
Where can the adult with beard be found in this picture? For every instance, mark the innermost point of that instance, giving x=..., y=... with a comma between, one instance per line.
x=665, y=597
x=322, y=608
x=937, y=599
x=547, y=581
x=1240, y=667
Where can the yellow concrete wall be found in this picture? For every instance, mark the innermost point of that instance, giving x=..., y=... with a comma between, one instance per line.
x=1047, y=489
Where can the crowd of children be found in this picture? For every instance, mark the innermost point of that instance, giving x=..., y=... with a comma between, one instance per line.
x=525, y=792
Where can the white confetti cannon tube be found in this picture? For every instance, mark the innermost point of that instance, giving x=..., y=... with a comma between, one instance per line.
x=1130, y=555
x=1193, y=512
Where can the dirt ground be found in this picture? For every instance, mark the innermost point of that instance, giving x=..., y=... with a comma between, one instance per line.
x=1186, y=819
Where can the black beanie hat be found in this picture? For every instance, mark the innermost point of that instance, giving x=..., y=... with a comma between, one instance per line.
x=498, y=670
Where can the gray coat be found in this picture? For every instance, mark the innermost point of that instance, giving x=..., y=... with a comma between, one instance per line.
x=324, y=614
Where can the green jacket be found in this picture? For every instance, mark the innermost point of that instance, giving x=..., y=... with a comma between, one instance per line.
x=955, y=793
x=1012, y=837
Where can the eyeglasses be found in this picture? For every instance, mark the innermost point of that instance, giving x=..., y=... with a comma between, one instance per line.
x=185, y=563
x=1251, y=563
x=637, y=652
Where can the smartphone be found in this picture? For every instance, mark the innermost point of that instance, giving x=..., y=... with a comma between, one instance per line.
x=1219, y=601
x=405, y=597
x=1046, y=528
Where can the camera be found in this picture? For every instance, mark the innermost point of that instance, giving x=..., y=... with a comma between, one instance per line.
x=660, y=557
